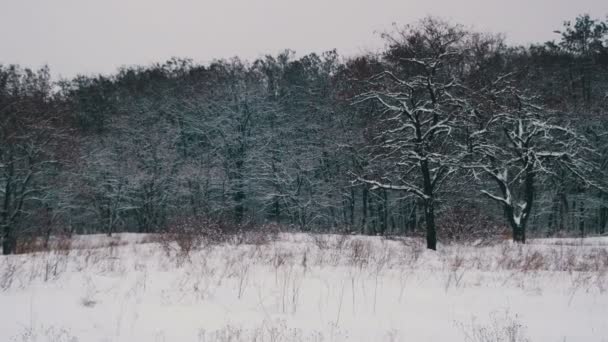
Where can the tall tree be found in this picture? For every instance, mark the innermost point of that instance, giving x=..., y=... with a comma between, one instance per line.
x=412, y=151
x=31, y=132
x=518, y=146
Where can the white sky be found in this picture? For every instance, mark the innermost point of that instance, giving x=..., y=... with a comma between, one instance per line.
x=98, y=36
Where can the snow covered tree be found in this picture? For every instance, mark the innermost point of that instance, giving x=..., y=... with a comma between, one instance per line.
x=31, y=133
x=518, y=145
x=418, y=102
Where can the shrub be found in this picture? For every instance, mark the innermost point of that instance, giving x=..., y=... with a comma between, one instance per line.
x=187, y=233
x=468, y=224
x=30, y=243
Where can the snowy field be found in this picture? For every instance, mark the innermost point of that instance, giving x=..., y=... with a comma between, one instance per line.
x=307, y=288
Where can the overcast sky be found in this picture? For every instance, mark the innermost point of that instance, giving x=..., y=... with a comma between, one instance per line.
x=98, y=36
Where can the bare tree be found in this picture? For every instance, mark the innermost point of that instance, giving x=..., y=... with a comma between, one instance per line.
x=413, y=150
x=518, y=146
x=30, y=135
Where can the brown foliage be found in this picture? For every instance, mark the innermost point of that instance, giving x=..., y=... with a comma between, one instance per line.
x=187, y=234
x=467, y=223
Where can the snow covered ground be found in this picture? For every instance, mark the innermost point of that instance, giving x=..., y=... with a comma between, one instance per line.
x=307, y=288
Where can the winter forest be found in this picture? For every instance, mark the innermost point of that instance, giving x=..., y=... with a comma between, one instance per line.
x=447, y=133
x=448, y=185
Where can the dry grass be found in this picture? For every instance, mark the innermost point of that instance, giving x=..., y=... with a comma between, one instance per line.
x=366, y=255
x=502, y=327
x=33, y=244
x=230, y=269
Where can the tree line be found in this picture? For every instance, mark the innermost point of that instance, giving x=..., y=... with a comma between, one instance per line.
x=444, y=124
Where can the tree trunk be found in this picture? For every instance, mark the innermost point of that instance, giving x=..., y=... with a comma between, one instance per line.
x=413, y=218
x=352, y=208
x=518, y=228
x=431, y=232
x=8, y=241
x=519, y=234
x=373, y=215
x=581, y=219
x=429, y=206
x=384, y=211
x=364, y=198
x=603, y=219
